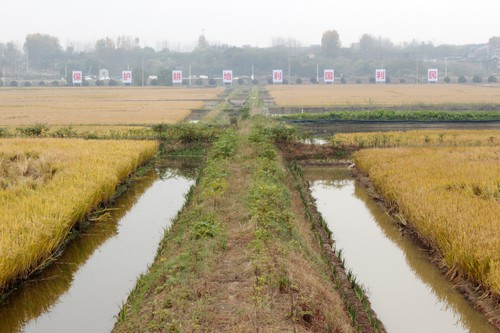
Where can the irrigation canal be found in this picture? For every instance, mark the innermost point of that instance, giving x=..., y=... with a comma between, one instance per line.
x=84, y=289
x=321, y=128
x=405, y=289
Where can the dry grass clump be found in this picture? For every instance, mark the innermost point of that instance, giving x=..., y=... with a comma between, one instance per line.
x=90, y=106
x=22, y=170
x=451, y=196
x=48, y=185
x=383, y=95
x=418, y=138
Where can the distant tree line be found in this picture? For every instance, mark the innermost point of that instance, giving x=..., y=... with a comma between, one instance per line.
x=42, y=59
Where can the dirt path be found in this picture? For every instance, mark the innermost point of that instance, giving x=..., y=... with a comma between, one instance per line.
x=278, y=288
x=231, y=280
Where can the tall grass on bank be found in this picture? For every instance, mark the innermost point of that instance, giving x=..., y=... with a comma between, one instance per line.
x=392, y=115
x=417, y=138
x=182, y=133
x=49, y=185
x=451, y=196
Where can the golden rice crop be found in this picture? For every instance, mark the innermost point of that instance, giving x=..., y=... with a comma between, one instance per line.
x=417, y=138
x=451, y=196
x=90, y=106
x=48, y=185
x=86, y=131
x=383, y=95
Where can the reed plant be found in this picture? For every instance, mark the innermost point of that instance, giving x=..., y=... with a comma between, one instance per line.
x=47, y=186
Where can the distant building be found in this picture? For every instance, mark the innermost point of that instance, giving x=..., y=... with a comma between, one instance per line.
x=485, y=53
x=103, y=74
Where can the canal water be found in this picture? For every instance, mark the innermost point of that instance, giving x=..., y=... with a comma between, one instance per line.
x=329, y=128
x=84, y=289
x=406, y=290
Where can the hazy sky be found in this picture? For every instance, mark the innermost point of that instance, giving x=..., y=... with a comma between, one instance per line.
x=254, y=22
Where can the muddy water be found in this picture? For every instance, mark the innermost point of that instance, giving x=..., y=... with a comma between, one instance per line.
x=84, y=289
x=406, y=291
x=330, y=128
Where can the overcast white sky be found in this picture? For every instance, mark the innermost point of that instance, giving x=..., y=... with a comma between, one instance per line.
x=254, y=22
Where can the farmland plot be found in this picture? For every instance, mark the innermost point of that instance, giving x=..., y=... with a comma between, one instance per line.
x=417, y=138
x=384, y=95
x=48, y=185
x=92, y=106
x=450, y=195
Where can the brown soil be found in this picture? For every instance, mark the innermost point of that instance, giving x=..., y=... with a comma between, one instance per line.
x=309, y=154
x=231, y=281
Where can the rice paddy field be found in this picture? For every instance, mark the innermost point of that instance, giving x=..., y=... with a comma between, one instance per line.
x=417, y=138
x=49, y=185
x=114, y=132
x=100, y=106
x=384, y=95
x=450, y=196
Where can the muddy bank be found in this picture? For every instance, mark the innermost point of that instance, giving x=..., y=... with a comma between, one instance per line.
x=310, y=154
x=197, y=114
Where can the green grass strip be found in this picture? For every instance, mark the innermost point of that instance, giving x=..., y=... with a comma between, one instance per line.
x=391, y=115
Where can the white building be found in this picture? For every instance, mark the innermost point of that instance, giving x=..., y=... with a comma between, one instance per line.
x=103, y=74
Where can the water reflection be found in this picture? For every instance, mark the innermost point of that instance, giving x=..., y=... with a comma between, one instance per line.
x=82, y=291
x=407, y=292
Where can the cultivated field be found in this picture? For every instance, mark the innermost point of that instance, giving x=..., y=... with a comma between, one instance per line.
x=47, y=185
x=111, y=106
x=450, y=195
x=417, y=138
x=383, y=95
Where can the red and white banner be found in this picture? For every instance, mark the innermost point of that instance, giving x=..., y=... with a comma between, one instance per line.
x=277, y=76
x=329, y=76
x=227, y=76
x=432, y=75
x=127, y=77
x=380, y=75
x=77, y=77
x=177, y=77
